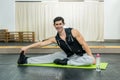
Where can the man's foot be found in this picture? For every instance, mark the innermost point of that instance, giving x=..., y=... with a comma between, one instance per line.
x=62, y=62
x=22, y=59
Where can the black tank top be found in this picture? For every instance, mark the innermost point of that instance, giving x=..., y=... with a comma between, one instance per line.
x=71, y=46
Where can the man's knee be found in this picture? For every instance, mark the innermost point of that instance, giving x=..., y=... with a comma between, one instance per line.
x=90, y=60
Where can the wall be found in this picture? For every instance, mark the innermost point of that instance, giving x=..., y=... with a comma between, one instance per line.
x=36, y=0
x=71, y=0
x=112, y=19
x=7, y=14
x=111, y=26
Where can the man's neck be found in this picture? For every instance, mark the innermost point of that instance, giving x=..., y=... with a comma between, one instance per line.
x=62, y=33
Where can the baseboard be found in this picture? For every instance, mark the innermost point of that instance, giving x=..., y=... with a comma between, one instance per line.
x=112, y=40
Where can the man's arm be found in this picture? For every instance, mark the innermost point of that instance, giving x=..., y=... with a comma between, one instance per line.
x=42, y=43
x=81, y=40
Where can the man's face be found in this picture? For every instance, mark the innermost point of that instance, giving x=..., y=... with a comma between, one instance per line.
x=59, y=25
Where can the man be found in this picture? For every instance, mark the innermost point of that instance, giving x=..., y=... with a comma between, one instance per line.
x=75, y=49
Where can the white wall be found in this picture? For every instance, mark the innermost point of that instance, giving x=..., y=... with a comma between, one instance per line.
x=36, y=0
x=111, y=26
x=7, y=14
x=112, y=19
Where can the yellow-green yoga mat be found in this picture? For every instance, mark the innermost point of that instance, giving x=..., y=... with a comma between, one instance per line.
x=102, y=66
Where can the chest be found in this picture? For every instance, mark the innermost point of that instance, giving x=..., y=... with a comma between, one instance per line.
x=63, y=38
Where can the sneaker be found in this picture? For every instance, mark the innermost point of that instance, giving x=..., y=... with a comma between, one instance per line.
x=61, y=62
x=22, y=59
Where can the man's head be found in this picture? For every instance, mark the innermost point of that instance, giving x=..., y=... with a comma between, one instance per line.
x=59, y=23
x=59, y=19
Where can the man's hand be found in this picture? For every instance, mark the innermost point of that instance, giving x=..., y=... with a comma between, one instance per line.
x=24, y=49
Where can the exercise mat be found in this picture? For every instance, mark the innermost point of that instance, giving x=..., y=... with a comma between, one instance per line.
x=102, y=65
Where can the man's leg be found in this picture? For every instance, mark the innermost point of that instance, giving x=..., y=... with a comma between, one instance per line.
x=80, y=60
x=47, y=58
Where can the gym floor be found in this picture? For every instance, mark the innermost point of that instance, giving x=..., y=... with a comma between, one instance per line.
x=10, y=71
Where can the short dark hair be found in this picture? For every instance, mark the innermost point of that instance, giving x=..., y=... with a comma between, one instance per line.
x=58, y=19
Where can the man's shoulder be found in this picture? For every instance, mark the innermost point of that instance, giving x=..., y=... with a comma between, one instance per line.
x=68, y=28
x=75, y=32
